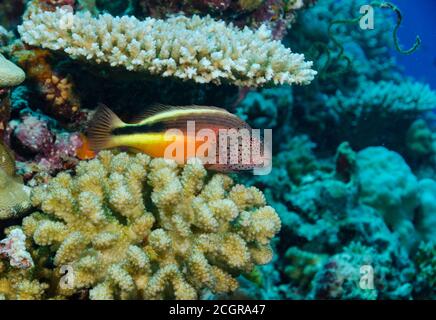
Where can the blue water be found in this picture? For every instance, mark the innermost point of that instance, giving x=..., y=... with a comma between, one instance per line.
x=419, y=18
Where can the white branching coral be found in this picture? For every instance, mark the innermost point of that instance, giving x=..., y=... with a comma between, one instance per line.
x=17, y=269
x=13, y=247
x=128, y=227
x=196, y=48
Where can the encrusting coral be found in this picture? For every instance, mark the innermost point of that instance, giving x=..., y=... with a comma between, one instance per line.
x=14, y=195
x=196, y=48
x=387, y=183
x=129, y=227
x=10, y=74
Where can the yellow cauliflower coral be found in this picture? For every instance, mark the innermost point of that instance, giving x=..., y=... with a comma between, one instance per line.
x=130, y=227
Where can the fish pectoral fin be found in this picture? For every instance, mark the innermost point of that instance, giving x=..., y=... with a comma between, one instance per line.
x=99, y=132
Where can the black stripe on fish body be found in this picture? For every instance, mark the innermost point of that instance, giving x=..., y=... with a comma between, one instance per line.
x=137, y=129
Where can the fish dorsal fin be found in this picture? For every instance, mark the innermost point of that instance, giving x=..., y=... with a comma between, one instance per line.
x=7, y=160
x=176, y=117
x=157, y=109
x=210, y=121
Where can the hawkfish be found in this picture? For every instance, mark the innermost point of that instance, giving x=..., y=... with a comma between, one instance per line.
x=14, y=195
x=219, y=138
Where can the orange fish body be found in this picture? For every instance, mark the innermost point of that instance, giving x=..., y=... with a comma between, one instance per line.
x=157, y=144
x=84, y=152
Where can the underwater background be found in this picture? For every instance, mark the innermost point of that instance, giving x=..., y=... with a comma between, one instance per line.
x=420, y=21
x=347, y=212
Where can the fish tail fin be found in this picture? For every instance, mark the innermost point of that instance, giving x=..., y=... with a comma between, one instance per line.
x=100, y=128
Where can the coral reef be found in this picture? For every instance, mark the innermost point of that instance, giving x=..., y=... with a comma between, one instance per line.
x=14, y=248
x=14, y=195
x=40, y=146
x=268, y=108
x=321, y=34
x=5, y=109
x=10, y=74
x=10, y=12
x=386, y=183
x=351, y=197
x=426, y=271
x=15, y=286
x=347, y=212
x=420, y=139
x=179, y=234
x=367, y=98
x=56, y=89
x=200, y=49
x=383, y=104
x=277, y=14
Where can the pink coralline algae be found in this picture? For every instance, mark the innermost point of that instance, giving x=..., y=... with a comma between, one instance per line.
x=50, y=151
x=33, y=135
